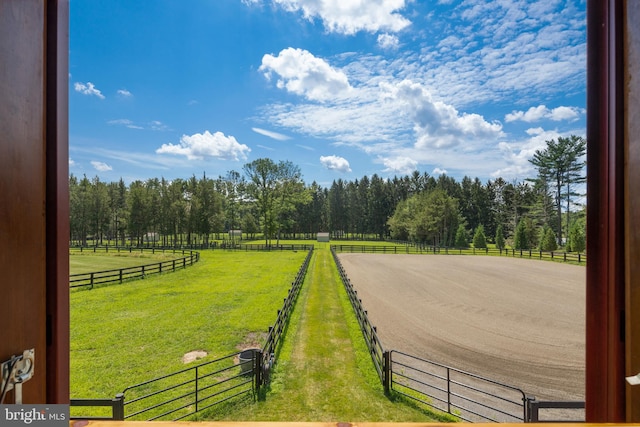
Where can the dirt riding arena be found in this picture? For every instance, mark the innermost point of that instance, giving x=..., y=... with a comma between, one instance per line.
x=517, y=321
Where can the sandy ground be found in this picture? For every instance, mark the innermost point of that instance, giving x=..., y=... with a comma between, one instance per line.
x=517, y=321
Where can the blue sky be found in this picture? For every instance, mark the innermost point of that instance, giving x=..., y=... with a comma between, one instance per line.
x=342, y=88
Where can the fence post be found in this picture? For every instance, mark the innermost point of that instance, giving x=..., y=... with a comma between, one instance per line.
x=448, y=390
x=91, y=280
x=531, y=410
x=118, y=407
x=196, y=384
x=257, y=370
x=386, y=369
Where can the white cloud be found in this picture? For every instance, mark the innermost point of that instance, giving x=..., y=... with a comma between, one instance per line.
x=125, y=122
x=304, y=74
x=516, y=154
x=71, y=162
x=565, y=113
x=349, y=16
x=273, y=135
x=158, y=125
x=101, y=166
x=88, y=89
x=388, y=41
x=541, y=112
x=438, y=172
x=424, y=104
x=534, y=131
x=205, y=145
x=337, y=163
x=440, y=125
x=400, y=165
x=124, y=93
x=152, y=125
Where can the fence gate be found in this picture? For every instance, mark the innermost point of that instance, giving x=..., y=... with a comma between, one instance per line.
x=470, y=397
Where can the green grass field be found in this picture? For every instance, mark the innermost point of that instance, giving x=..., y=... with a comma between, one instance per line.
x=125, y=334
x=324, y=370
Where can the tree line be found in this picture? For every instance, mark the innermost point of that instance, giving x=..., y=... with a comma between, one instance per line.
x=271, y=200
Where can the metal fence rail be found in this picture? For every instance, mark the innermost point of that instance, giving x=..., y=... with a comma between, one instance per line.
x=128, y=273
x=116, y=406
x=564, y=411
x=180, y=394
x=468, y=396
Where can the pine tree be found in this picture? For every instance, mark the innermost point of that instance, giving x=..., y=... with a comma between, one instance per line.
x=520, y=240
x=548, y=240
x=577, y=241
x=500, y=237
x=560, y=165
x=479, y=239
x=462, y=238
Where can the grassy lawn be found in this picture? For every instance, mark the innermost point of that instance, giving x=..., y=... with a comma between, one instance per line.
x=324, y=371
x=125, y=334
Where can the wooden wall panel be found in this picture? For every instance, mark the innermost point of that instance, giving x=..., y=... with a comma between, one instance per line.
x=605, y=216
x=57, y=153
x=632, y=197
x=22, y=187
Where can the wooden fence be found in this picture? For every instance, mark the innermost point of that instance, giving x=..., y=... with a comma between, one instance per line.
x=128, y=273
x=577, y=257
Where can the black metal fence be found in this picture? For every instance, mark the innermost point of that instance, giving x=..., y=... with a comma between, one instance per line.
x=410, y=248
x=555, y=411
x=186, y=392
x=89, y=280
x=115, y=407
x=468, y=396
